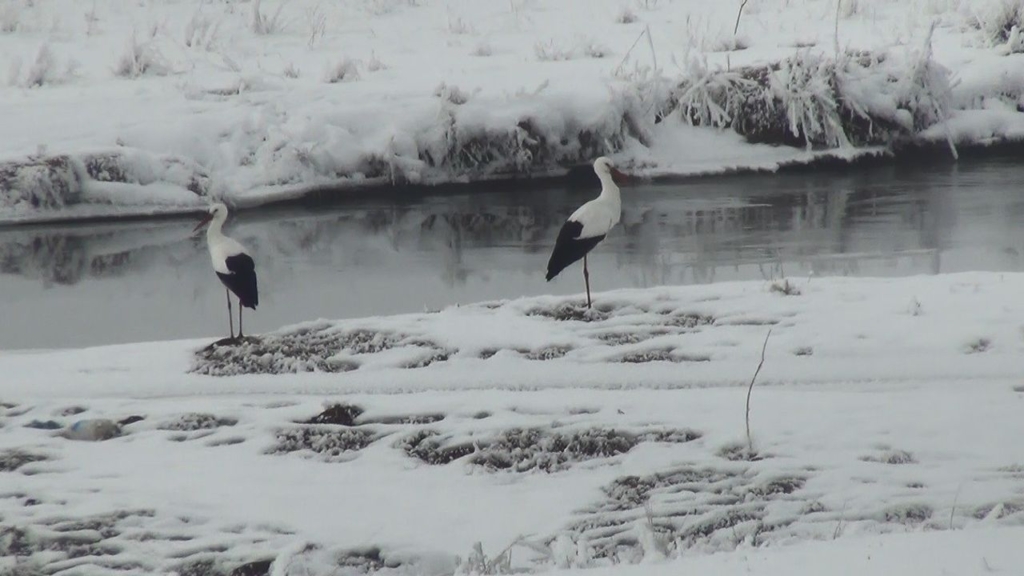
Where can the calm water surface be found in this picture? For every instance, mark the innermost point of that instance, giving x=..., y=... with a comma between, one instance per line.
x=97, y=284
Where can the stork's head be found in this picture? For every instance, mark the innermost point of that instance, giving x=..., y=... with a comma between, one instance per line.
x=216, y=211
x=604, y=166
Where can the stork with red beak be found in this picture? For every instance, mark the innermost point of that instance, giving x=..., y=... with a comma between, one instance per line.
x=232, y=263
x=589, y=224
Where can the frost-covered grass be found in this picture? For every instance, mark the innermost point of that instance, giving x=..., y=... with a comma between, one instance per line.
x=868, y=446
x=265, y=100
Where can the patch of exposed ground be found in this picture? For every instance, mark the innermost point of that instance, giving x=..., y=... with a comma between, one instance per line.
x=891, y=457
x=428, y=446
x=314, y=349
x=340, y=414
x=196, y=421
x=687, y=320
x=685, y=507
x=549, y=353
x=623, y=337
x=662, y=355
x=527, y=449
x=14, y=458
x=569, y=311
x=327, y=442
x=89, y=544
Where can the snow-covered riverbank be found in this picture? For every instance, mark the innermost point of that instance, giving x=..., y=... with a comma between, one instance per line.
x=579, y=439
x=117, y=107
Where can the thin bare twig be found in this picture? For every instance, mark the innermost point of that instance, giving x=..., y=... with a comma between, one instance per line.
x=839, y=525
x=739, y=13
x=630, y=51
x=953, y=510
x=750, y=389
x=650, y=43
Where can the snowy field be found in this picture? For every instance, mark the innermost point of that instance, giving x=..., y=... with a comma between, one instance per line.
x=534, y=435
x=139, y=107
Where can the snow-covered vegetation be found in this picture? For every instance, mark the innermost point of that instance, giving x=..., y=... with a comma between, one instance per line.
x=534, y=435
x=252, y=101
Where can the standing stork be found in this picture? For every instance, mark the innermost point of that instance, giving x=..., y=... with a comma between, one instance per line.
x=589, y=224
x=232, y=263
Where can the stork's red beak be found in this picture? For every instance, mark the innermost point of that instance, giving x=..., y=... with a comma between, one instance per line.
x=206, y=220
x=619, y=178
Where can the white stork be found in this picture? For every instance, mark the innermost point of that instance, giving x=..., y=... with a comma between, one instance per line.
x=232, y=263
x=589, y=224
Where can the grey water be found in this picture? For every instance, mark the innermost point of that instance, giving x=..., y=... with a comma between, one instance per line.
x=375, y=254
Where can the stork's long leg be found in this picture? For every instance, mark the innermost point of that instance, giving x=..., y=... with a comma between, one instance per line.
x=586, y=278
x=231, y=320
x=240, y=317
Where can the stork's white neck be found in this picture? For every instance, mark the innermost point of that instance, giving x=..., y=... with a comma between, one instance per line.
x=214, y=233
x=609, y=189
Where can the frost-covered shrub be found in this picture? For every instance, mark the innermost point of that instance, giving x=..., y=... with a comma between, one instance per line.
x=45, y=69
x=374, y=64
x=316, y=21
x=42, y=69
x=996, y=19
x=139, y=59
x=477, y=563
x=594, y=49
x=808, y=93
x=483, y=49
x=451, y=94
x=786, y=288
x=977, y=346
x=820, y=102
x=345, y=70
x=626, y=16
x=458, y=26
x=10, y=17
x=40, y=183
x=263, y=24
x=1014, y=42
x=201, y=32
x=551, y=52
x=717, y=98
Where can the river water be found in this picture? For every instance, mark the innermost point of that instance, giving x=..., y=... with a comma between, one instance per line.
x=80, y=285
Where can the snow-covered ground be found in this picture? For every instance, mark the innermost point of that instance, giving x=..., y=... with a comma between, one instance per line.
x=533, y=434
x=137, y=107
